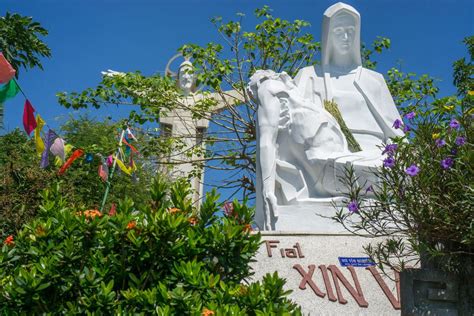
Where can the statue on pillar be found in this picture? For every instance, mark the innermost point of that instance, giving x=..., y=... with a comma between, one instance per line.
x=180, y=123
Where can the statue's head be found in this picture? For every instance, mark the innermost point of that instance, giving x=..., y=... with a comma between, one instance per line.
x=277, y=84
x=186, y=80
x=341, y=36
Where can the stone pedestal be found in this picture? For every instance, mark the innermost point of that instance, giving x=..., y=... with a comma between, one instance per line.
x=329, y=274
x=308, y=218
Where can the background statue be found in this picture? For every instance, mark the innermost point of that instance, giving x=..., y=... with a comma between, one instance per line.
x=185, y=78
x=181, y=123
x=330, y=117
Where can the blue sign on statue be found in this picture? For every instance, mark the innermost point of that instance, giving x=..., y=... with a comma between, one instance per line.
x=356, y=261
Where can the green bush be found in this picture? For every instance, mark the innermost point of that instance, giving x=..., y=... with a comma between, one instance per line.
x=164, y=258
x=23, y=179
x=423, y=203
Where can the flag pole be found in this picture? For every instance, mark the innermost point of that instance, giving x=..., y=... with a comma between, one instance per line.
x=107, y=189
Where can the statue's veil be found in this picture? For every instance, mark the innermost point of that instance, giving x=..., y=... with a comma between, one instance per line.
x=328, y=19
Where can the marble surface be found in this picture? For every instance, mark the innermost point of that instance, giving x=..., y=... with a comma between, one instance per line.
x=324, y=250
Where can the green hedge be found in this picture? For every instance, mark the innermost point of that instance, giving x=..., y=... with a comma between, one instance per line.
x=165, y=258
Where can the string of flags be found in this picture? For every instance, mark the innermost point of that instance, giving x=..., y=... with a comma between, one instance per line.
x=54, y=144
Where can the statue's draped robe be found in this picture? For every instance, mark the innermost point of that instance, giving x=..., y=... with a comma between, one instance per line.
x=370, y=84
x=299, y=180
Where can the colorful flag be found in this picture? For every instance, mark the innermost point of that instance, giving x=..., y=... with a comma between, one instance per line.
x=103, y=171
x=58, y=161
x=76, y=154
x=130, y=146
x=110, y=160
x=45, y=155
x=38, y=140
x=132, y=164
x=113, y=210
x=6, y=70
x=29, y=121
x=127, y=170
x=57, y=148
x=130, y=134
x=8, y=91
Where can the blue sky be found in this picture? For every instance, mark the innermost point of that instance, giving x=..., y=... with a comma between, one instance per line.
x=88, y=36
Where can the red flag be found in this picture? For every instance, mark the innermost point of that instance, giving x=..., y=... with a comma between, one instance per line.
x=130, y=146
x=103, y=173
x=76, y=154
x=6, y=70
x=29, y=121
x=113, y=210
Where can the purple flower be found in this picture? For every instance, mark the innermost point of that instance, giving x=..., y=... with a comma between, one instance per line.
x=406, y=129
x=447, y=163
x=412, y=171
x=410, y=115
x=397, y=124
x=460, y=140
x=454, y=124
x=440, y=142
x=454, y=151
x=390, y=149
x=353, y=206
x=389, y=162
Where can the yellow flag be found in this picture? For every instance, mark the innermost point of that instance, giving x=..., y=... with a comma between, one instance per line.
x=67, y=149
x=39, y=142
x=123, y=167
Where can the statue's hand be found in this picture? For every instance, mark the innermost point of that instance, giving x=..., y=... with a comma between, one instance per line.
x=270, y=203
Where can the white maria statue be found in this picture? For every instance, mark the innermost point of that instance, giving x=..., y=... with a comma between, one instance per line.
x=312, y=127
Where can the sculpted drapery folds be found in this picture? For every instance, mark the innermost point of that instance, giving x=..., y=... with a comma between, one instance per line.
x=329, y=117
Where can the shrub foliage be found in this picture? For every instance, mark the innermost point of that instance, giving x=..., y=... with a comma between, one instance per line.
x=164, y=258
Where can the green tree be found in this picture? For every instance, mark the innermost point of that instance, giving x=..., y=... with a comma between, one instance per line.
x=22, y=181
x=21, y=44
x=464, y=71
x=160, y=258
x=20, y=41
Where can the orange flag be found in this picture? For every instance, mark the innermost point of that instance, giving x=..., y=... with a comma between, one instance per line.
x=76, y=154
x=130, y=146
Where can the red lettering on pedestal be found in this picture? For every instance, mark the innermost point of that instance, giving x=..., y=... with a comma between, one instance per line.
x=270, y=244
x=291, y=253
x=308, y=278
x=394, y=301
x=354, y=289
x=298, y=248
x=327, y=283
x=356, y=293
